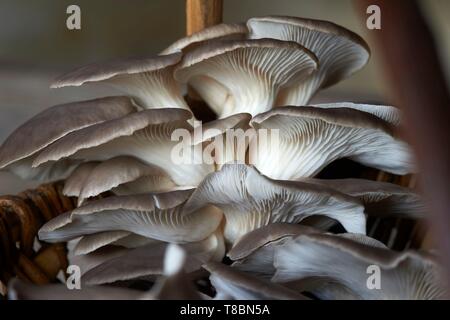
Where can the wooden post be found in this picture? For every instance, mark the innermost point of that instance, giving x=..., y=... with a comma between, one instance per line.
x=201, y=14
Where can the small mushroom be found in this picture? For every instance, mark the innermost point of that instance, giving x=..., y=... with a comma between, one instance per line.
x=156, y=216
x=337, y=268
x=340, y=52
x=148, y=80
x=121, y=175
x=145, y=135
x=234, y=284
x=252, y=70
x=310, y=138
x=250, y=200
x=21, y=147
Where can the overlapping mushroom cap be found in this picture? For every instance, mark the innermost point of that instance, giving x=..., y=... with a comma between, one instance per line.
x=340, y=52
x=208, y=189
x=310, y=138
x=333, y=267
x=253, y=71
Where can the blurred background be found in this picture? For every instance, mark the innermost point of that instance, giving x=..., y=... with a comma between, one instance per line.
x=36, y=46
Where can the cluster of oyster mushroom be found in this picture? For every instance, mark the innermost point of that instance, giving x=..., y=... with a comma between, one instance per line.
x=238, y=222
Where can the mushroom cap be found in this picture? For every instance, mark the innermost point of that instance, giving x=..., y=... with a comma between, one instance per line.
x=260, y=237
x=310, y=138
x=75, y=182
x=251, y=70
x=250, y=200
x=147, y=261
x=115, y=172
x=58, y=121
x=341, y=52
x=233, y=283
x=156, y=216
x=107, y=131
x=92, y=242
x=338, y=268
x=107, y=70
x=379, y=198
x=221, y=31
x=389, y=114
x=148, y=80
x=146, y=135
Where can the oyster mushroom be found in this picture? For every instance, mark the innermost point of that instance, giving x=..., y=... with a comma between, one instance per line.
x=252, y=70
x=387, y=113
x=250, y=200
x=121, y=175
x=233, y=284
x=337, y=268
x=225, y=140
x=145, y=135
x=147, y=261
x=22, y=146
x=213, y=93
x=173, y=285
x=148, y=80
x=155, y=216
x=381, y=199
x=340, y=52
x=223, y=31
x=310, y=138
x=254, y=252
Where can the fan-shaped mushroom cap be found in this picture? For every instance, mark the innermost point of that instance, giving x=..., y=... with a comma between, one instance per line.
x=148, y=80
x=231, y=283
x=155, y=216
x=379, y=198
x=76, y=180
x=20, y=148
x=252, y=70
x=340, y=52
x=145, y=135
x=212, y=92
x=92, y=242
x=250, y=200
x=221, y=31
x=147, y=261
x=122, y=175
x=338, y=269
x=387, y=113
x=225, y=140
x=311, y=138
x=258, y=238
x=254, y=252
